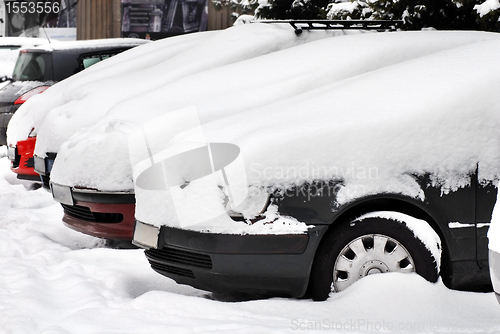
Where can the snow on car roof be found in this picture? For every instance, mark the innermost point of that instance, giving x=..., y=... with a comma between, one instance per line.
x=93, y=43
x=21, y=41
x=87, y=96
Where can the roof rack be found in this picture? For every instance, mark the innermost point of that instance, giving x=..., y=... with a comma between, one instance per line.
x=300, y=25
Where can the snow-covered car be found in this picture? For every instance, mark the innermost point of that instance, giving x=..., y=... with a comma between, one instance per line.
x=193, y=67
x=102, y=201
x=393, y=170
x=39, y=68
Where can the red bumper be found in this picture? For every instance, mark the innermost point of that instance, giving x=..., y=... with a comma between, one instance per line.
x=23, y=164
x=102, y=220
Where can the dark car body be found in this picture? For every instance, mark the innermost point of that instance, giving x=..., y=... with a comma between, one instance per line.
x=45, y=65
x=282, y=264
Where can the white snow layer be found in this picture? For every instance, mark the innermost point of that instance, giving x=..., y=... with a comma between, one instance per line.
x=55, y=280
x=436, y=114
x=248, y=82
x=369, y=109
x=85, y=98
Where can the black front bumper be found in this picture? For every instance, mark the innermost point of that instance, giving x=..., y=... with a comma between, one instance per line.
x=257, y=264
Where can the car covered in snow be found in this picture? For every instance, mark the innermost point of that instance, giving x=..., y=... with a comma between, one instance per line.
x=37, y=69
x=97, y=185
x=393, y=170
x=104, y=206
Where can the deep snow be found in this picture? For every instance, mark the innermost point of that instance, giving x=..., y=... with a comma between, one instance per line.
x=54, y=280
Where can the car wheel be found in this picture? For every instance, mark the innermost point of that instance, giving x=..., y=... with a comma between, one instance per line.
x=371, y=246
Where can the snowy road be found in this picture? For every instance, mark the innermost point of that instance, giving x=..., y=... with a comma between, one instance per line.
x=54, y=280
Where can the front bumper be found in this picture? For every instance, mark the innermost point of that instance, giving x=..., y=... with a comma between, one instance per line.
x=494, y=261
x=22, y=159
x=258, y=264
x=108, y=215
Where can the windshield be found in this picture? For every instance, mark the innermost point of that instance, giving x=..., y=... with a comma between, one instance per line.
x=33, y=67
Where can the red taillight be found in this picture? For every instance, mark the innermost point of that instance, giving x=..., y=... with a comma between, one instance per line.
x=23, y=98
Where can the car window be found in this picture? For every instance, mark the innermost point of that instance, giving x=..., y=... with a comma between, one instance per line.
x=32, y=66
x=88, y=61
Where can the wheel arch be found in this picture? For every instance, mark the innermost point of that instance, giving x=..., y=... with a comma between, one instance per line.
x=397, y=203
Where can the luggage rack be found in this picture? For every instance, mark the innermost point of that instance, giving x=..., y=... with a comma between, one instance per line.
x=300, y=25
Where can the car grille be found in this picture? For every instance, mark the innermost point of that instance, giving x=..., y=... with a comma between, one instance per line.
x=80, y=212
x=172, y=270
x=30, y=163
x=84, y=213
x=175, y=255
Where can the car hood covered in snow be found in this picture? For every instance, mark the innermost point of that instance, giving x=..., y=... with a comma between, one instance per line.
x=98, y=156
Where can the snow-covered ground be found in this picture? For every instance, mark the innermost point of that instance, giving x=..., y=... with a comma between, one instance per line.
x=54, y=280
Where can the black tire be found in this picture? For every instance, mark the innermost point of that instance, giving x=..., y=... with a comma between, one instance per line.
x=396, y=234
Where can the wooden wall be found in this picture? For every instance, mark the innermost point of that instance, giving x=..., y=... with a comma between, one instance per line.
x=98, y=19
x=219, y=18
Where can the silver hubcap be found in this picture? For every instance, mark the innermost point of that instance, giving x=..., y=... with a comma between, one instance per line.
x=367, y=255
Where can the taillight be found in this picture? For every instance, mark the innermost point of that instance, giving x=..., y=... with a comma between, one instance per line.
x=23, y=98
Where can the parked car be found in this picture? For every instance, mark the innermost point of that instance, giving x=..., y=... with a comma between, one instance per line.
x=106, y=209
x=36, y=70
x=9, y=51
x=393, y=170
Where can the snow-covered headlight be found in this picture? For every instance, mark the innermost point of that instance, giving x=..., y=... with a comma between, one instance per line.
x=254, y=204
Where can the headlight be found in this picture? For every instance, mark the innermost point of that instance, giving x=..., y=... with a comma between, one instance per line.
x=254, y=204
